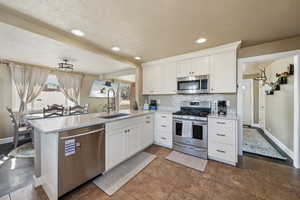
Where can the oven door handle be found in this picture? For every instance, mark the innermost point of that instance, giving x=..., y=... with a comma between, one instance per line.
x=200, y=123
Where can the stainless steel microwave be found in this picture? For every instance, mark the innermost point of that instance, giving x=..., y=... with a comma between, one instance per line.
x=193, y=85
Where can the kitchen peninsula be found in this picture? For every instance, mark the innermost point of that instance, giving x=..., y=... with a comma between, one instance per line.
x=71, y=150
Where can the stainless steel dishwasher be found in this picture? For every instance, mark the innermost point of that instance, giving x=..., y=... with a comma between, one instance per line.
x=81, y=156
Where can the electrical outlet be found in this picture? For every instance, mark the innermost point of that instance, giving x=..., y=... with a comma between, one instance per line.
x=158, y=101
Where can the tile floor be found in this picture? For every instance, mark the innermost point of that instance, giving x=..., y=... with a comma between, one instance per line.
x=15, y=173
x=253, y=179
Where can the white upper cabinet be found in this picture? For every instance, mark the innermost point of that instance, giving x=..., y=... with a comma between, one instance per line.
x=160, y=79
x=219, y=63
x=223, y=72
x=193, y=67
x=168, y=81
x=183, y=68
x=151, y=79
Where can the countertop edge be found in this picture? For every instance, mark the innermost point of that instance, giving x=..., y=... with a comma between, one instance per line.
x=39, y=129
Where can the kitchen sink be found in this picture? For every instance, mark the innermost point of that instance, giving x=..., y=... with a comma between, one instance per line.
x=113, y=116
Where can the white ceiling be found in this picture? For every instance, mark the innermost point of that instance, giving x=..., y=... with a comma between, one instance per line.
x=156, y=29
x=23, y=46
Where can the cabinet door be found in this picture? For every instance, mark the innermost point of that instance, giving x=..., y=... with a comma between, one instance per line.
x=168, y=81
x=133, y=140
x=200, y=66
x=223, y=72
x=151, y=79
x=183, y=68
x=147, y=86
x=147, y=132
x=116, y=148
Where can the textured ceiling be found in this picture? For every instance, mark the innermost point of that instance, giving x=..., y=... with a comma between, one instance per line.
x=156, y=29
x=27, y=47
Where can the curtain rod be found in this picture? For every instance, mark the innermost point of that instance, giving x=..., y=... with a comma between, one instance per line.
x=3, y=62
x=7, y=62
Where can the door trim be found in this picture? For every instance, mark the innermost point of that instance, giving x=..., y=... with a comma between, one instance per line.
x=241, y=65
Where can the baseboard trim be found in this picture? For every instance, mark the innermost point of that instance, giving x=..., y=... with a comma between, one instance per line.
x=6, y=140
x=279, y=144
x=222, y=160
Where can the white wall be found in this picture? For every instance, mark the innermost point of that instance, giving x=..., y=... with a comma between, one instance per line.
x=5, y=101
x=280, y=106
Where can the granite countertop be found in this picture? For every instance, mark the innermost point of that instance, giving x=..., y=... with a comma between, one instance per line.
x=229, y=116
x=53, y=125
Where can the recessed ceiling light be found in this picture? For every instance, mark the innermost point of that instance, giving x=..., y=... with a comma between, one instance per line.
x=201, y=40
x=77, y=32
x=115, y=49
x=137, y=58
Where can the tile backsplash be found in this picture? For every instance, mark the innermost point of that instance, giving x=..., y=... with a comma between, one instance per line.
x=174, y=101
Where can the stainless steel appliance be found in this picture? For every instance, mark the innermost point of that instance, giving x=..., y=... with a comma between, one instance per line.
x=193, y=85
x=190, y=128
x=81, y=156
x=222, y=107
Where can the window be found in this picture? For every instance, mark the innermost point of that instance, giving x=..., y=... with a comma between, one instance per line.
x=50, y=95
x=124, y=94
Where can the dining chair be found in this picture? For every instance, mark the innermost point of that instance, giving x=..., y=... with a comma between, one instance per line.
x=78, y=110
x=20, y=129
x=54, y=110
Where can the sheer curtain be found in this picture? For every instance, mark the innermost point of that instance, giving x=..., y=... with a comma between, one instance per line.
x=29, y=82
x=70, y=85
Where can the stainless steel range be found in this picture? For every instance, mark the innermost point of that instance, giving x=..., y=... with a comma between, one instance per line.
x=190, y=128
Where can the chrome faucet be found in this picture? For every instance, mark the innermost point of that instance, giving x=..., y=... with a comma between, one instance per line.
x=113, y=106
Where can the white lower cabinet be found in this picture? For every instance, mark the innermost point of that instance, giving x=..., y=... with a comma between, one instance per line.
x=147, y=132
x=126, y=137
x=116, y=148
x=133, y=140
x=222, y=140
x=163, y=129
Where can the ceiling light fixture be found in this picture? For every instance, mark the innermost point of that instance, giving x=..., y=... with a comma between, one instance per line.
x=201, y=40
x=137, y=58
x=77, y=32
x=115, y=48
x=65, y=65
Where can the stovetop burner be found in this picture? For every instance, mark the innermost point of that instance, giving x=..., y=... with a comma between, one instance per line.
x=192, y=113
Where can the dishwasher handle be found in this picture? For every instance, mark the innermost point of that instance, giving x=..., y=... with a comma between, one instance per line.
x=82, y=134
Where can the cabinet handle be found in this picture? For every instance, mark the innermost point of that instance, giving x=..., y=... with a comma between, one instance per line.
x=221, y=122
x=82, y=134
x=164, y=138
x=163, y=126
x=221, y=135
x=221, y=151
x=163, y=116
x=147, y=122
x=148, y=117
